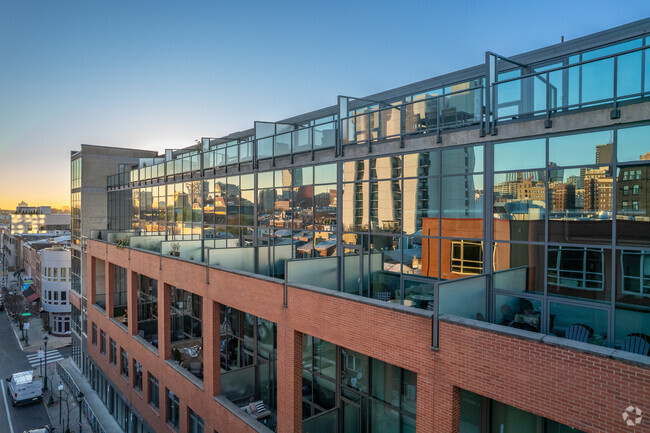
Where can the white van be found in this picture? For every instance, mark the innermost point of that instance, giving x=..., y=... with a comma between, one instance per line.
x=24, y=388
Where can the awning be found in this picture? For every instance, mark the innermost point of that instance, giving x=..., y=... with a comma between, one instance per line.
x=34, y=296
x=26, y=286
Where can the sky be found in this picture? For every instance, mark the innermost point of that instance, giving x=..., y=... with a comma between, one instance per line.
x=159, y=74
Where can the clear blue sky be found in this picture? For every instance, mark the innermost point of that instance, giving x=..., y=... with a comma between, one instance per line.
x=158, y=74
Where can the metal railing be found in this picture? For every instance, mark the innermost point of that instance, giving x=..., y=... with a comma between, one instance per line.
x=569, y=87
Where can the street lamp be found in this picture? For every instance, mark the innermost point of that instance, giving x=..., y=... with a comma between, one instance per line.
x=45, y=343
x=60, y=387
x=80, y=396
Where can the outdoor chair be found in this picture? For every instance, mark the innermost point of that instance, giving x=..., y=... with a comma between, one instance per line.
x=578, y=332
x=637, y=343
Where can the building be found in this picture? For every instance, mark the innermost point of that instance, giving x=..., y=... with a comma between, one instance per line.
x=35, y=220
x=89, y=169
x=46, y=279
x=417, y=263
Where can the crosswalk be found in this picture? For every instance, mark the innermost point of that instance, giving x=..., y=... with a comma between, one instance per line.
x=36, y=362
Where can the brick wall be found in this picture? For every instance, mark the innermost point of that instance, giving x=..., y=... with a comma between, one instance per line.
x=583, y=390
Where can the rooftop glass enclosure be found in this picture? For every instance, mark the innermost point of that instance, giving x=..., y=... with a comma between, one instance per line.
x=547, y=234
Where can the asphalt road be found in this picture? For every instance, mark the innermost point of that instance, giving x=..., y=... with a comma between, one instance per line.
x=12, y=360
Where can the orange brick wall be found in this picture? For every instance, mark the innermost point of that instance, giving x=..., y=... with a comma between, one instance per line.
x=585, y=391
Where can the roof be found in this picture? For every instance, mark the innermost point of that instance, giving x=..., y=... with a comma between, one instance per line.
x=23, y=377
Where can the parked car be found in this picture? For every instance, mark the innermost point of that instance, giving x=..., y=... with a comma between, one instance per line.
x=25, y=388
x=2, y=305
x=46, y=429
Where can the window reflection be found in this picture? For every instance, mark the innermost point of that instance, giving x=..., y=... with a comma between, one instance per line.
x=520, y=205
x=579, y=272
x=581, y=205
x=633, y=204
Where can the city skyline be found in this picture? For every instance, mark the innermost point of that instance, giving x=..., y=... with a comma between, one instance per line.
x=130, y=75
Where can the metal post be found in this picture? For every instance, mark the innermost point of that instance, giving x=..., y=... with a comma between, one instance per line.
x=45, y=343
x=60, y=405
x=80, y=397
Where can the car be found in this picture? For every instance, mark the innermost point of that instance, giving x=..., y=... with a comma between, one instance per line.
x=2, y=305
x=24, y=388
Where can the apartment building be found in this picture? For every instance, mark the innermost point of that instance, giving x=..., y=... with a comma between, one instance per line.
x=462, y=254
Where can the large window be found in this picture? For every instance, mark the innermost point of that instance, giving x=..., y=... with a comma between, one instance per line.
x=195, y=422
x=153, y=397
x=482, y=415
x=187, y=330
x=124, y=364
x=147, y=313
x=137, y=375
x=173, y=410
x=467, y=257
x=371, y=396
x=248, y=352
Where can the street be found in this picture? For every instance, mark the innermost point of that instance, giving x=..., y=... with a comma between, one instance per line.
x=12, y=360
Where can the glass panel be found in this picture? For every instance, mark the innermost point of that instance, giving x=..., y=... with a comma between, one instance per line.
x=302, y=140
x=421, y=198
x=282, y=144
x=520, y=155
x=390, y=122
x=598, y=80
x=519, y=267
x=520, y=205
x=578, y=149
x=470, y=412
x=588, y=325
x=385, y=206
x=634, y=143
x=325, y=173
x=355, y=206
x=508, y=419
x=462, y=197
x=580, y=272
x=421, y=164
x=633, y=205
x=462, y=160
x=419, y=294
x=520, y=313
x=633, y=301
x=580, y=205
x=465, y=297
x=324, y=136
x=263, y=129
x=629, y=74
x=265, y=148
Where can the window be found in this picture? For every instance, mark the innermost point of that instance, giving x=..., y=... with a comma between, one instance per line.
x=195, y=422
x=635, y=267
x=102, y=343
x=137, y=375
x=64, y=296
x=63, y=270
x=173, y=410
x=154, y=398
x=638, y=174
x=467, y=257
x=94, y=335
x=124, y=366
x=624, y=206
x=576, y=267
x=113, y=355
x=635, y=190
x=626, y=190
x=635, y=205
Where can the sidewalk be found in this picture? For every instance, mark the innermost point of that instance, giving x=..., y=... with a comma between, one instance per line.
x=35, y=335
x=62, y=408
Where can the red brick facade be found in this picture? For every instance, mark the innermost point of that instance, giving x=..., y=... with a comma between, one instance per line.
x=583, y=390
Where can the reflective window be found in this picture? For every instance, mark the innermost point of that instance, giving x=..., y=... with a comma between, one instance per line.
x=579, y=272
x=520, y=155
x=520, y=205
x=517, y=312
x=633, y=144
x=581, y=149
x=519, y=267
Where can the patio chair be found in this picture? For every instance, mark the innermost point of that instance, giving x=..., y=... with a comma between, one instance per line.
x=507, y=315
x=578, y=332
x=637, y=343
x=196, y=368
